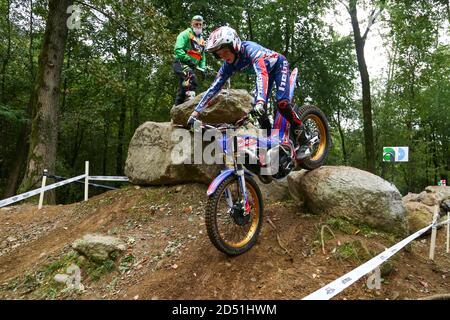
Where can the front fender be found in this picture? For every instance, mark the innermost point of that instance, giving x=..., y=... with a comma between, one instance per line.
x=222, y=176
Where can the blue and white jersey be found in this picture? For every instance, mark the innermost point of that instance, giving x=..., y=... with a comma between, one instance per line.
x=252, y=58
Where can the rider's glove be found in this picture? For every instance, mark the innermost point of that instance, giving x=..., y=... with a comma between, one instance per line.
x=257, y=111
x=191, y=121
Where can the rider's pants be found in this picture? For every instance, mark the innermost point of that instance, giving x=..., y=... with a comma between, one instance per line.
x=280, y=76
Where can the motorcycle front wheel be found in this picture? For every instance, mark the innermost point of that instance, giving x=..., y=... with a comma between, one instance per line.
x=230, y=228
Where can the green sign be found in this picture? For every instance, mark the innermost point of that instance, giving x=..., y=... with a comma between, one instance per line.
x=395, y=154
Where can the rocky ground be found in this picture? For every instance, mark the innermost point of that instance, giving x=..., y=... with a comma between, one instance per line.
x=169, y=255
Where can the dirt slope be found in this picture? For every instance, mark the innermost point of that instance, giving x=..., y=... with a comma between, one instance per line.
x=169, y=255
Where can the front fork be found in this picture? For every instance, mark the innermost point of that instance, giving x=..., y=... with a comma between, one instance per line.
x=242, y=191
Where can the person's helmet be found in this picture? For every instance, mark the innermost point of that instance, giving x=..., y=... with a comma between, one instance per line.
x=223, y=37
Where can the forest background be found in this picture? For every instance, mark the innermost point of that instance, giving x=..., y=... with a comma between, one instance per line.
x=73, y=94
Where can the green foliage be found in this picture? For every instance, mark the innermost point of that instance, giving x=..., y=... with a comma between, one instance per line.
x=412, y=109
x=118, y=74
x=126, y=263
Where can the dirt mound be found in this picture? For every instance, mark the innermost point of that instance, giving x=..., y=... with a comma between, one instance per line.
x=169, y=255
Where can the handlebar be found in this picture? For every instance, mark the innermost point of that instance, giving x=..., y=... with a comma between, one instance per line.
x=224, y=126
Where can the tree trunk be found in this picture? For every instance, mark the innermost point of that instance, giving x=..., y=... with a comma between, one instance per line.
x=20, y=156
x=64, y=97
x=45, y=98
x=8, y=50
x=105, y=146
x=365, y=81
x=341, y=134
x=391, y=72
x=250, y=27
x=78, y=141
x=31, y=43
x=137, y=97
x=287, y=34
x=434, y=156
x=120, y=136
x=123, y=110
x=18, y=164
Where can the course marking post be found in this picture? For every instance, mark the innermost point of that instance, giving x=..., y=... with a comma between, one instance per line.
x=433, y=242
x=86, y=182
x=448, y=231
x=434, y=232
x=41, y=196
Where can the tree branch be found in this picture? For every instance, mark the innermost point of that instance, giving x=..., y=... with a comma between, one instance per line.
x=372, y=17
x=345, y=5
x=110, y=17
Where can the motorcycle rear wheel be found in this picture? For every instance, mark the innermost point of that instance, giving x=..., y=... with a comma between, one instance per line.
x=315, y=122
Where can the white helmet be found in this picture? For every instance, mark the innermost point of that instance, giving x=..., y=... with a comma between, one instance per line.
x=223, y=37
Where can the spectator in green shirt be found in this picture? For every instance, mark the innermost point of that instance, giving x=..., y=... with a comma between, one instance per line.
x=189, y=55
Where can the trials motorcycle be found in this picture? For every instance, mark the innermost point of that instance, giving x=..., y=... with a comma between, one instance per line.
x=234, y=210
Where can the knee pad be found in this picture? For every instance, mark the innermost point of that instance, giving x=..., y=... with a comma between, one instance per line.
x=283, y=104
x=287, y=112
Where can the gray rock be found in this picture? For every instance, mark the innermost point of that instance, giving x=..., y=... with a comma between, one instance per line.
x=445, y=206
x=418, y=215
x=434, y=195
x=11, y=239
x=294, y=187
x=277, y=190
x=411, y=197
x=420, y=208
x=155, y=157
x=227, y=106
x=430, y=199
x=98, y=248
x=354, y=194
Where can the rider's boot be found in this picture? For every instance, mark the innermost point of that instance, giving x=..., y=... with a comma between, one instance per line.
x=287, y=112
x=304, y=151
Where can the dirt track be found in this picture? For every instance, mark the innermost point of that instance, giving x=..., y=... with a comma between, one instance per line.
x=169, y=255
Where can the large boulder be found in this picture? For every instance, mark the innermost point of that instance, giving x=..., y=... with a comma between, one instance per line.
x=294, y=187
x=159, y=155
x=422, y=207
x=277, y=190
x=434, y=195
x=353, y=194
x=228, y=106
x=99, y=248
x=418, y=215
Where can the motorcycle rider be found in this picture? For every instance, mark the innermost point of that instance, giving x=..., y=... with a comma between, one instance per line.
x=269, y=67
x=189, y=56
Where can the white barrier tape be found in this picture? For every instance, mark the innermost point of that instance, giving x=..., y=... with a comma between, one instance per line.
x=443, y=222
x=108, y=178
x=338, y=285
x=29, y=194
